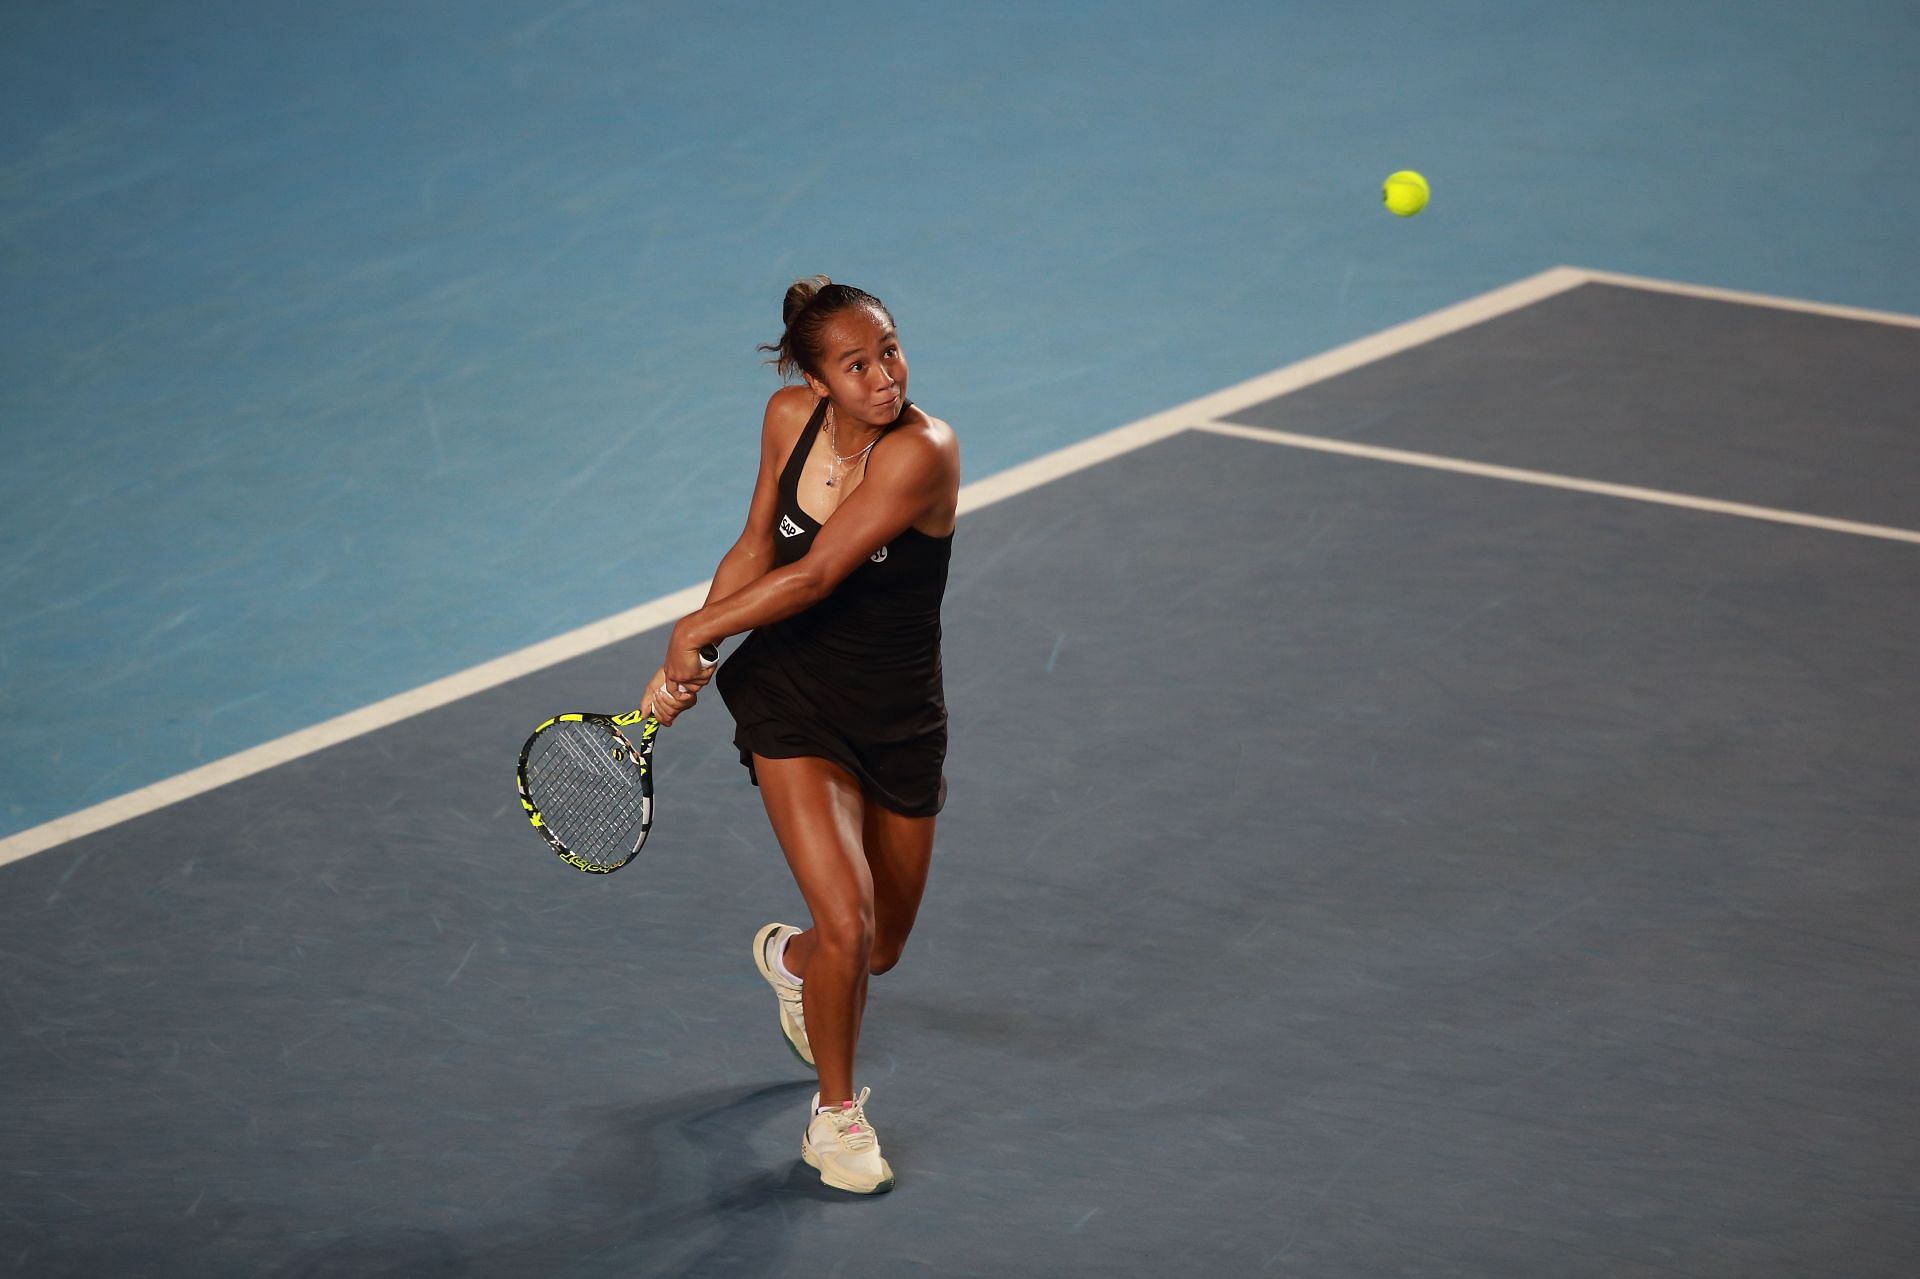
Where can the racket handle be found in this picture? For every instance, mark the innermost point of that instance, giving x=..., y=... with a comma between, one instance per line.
x=709, y=656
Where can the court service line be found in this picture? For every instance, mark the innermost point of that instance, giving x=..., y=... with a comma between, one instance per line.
x=669, y=608
x=1547, y=479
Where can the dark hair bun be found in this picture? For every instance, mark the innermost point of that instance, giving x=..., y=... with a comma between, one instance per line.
x=799, y=293
x=810, y=304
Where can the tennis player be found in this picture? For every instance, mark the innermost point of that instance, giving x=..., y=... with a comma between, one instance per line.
x=836, y=695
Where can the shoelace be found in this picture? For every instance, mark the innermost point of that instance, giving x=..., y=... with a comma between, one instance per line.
x=850, y=1123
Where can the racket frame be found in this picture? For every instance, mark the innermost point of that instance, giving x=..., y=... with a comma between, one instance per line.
x=640, y=756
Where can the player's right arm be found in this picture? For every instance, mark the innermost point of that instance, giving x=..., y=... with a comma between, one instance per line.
x=751, y=557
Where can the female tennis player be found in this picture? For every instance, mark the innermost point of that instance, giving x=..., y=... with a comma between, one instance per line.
x=836, y=695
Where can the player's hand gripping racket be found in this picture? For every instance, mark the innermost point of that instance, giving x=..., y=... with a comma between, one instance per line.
x=588, y=789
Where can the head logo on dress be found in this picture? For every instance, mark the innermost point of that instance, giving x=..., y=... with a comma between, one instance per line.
x=788, y=528
x=879, y=556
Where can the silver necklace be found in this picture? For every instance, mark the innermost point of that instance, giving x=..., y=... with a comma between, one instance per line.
x=833, y=448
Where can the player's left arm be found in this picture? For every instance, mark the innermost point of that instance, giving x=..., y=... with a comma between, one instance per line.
x=912, y=474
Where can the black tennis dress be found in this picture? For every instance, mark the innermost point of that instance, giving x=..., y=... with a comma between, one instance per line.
x=855, y=678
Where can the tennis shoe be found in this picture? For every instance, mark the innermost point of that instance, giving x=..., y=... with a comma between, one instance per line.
x=842, y=1145
x=793, y=1018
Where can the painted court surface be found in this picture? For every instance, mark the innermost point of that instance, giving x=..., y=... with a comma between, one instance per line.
x=1447, y=808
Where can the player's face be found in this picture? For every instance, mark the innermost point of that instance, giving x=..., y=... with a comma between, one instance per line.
x=862, y=367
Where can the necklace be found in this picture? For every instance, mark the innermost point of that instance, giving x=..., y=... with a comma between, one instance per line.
x=833, y=447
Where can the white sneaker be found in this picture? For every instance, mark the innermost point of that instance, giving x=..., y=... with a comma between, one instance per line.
x=843, y=1146
x=793, y=1018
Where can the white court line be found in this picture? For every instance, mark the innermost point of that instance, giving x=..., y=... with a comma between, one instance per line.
x=669, y=608
x=981, y=493
x=258, y=759
x=1547, y=479
x=1318, y=368
x=1752, y=299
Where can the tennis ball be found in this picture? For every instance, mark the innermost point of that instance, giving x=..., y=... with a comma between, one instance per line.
x=1405, y=193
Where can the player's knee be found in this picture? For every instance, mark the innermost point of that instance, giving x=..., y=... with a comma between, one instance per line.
x=848, y=932
x=885, y=955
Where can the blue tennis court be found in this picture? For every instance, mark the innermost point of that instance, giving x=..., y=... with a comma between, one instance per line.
x=1433, y=752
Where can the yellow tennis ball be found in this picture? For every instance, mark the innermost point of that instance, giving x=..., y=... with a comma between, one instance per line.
x=1405, y=193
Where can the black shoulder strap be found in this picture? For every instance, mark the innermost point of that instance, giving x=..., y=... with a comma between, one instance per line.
x=790, y=477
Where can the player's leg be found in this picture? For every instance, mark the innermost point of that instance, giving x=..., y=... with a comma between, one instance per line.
x=817, y=813
x=899, y=850
x=816, y=810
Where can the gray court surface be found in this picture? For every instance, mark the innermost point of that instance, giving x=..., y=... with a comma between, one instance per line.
x=1350, y=870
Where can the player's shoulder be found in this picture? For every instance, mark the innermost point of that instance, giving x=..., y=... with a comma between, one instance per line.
x=927, y=431
x=920, y=446
x=787, y=412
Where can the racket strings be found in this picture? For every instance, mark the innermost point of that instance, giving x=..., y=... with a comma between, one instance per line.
x=590, y=794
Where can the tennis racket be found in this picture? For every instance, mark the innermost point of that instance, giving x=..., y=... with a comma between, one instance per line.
x=588, y=788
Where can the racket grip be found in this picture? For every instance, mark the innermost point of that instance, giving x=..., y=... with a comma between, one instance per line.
x=709, y=656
